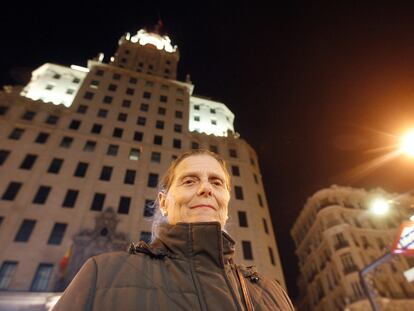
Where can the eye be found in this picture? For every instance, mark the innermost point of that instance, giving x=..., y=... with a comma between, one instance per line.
x=217, y=182
x=188, y=181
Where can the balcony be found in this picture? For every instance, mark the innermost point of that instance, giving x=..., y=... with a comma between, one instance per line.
x=341, y=244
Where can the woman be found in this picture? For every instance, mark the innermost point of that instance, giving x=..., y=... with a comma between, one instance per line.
x=189, y=265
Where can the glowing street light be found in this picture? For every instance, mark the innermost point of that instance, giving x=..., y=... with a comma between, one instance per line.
x=407, y=143
x=380, y=206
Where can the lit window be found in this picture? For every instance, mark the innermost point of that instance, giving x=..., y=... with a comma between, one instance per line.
x=134, y=154
x=94, y=84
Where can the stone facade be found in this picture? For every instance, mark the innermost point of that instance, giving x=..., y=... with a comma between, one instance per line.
x=336, y=236
x=63, y=166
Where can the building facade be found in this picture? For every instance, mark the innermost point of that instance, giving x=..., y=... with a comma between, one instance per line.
x=81, y=152
x=336, y=236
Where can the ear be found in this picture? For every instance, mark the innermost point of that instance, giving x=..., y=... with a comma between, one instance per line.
x=162, y=199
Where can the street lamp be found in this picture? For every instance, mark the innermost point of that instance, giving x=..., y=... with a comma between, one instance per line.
x=407, y=143
x=380, y=206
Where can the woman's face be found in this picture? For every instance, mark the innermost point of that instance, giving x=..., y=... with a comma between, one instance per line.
x=198, y=192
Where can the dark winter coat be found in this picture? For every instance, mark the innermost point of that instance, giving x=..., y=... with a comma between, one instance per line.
x=188, y=267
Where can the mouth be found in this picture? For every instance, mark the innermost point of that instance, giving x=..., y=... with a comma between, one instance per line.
x=203, y=206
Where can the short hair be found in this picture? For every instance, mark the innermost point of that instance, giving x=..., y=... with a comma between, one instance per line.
x=168, y=178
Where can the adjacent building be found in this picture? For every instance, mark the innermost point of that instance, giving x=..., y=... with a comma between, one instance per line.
x=81, y=153
x=336, y=236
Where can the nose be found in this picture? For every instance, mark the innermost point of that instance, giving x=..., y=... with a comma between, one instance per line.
x=205, y=189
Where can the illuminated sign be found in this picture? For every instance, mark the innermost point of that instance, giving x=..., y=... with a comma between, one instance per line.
x=404, y=242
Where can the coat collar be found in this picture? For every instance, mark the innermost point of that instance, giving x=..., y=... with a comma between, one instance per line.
x=199, y=241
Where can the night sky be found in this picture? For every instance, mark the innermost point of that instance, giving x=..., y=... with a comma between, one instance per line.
x=318, y=88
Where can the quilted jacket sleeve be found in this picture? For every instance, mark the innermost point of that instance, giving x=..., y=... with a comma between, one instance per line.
x=79, y=295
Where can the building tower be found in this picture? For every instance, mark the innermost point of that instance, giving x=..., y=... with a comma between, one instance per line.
x=81, y=152
x=336, y=236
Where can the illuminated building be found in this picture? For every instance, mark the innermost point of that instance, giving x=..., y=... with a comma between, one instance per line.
x=81, y=151
x=336, y=236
